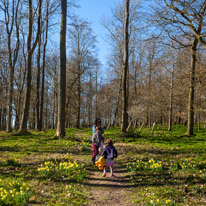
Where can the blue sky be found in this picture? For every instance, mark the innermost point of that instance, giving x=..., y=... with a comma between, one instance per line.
x=93, y=10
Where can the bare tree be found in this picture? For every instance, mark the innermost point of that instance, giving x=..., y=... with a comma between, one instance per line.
x=82, y=43
x=30, y=49
x=62, y=82
x=43, y=66
x=191, y=15
x=188, y=19
x=11, y=21
x=125, y=69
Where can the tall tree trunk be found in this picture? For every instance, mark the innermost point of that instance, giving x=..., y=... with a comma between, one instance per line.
x=78, y=102
x=17, y=118
x=30, y=50
x=11, y=88
x=4, y=118
x=117, y=104
x=43, y=68
x=78, y=85
x=89, y=124
x=198, y=113
x=62, y=84
x=96, y=112
x=199, y=117
x=149, y=108
x=125, y=69
x=25, y=115
x=54, y=110
x=12, y=58
x=171, y=104
x=46, y=123
x=20, y=91
x=190, y=122
x=0, y=119
x=38, y=83
x=33, y=117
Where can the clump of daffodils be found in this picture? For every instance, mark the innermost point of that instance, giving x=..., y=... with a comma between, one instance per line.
x=151, y=165
x=202, y=173
x=157, y=166
x=183, y=164
x=14, y=192
x=158, y=202
x=84, y=145
x=62, y=169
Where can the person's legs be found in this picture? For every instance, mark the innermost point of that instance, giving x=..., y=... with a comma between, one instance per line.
x=104, y=172
x=111, y=171
x=95, y=152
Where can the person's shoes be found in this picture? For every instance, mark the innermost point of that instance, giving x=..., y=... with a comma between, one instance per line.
x=112, y=175
x=92, y=162
x=104, y=174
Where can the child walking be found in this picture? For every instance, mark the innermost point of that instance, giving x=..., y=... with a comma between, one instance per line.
x=97, y=143
x=109, y=154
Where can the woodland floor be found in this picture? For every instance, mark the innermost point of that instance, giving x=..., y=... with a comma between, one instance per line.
x=21, y=156
x=110, y=190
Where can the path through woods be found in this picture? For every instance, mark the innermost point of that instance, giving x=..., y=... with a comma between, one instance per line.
x=110, y=190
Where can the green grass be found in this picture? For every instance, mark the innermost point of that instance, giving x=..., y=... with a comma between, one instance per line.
x=22, y=156
x=179, y=180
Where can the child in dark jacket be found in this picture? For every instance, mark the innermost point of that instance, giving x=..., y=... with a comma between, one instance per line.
x=109, y=154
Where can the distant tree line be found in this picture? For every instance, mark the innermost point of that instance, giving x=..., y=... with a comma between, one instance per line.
x=155, y=71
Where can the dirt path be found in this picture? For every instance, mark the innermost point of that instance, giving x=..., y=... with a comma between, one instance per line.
x=109, y=191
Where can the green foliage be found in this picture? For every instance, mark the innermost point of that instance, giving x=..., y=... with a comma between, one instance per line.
x=85, y=146
x=179, y=159
x=61, y=169
x=158, y=202
x=186, y=164
x=75, y=195
x=12, y=162
x=70, y=143
x=202, y=173
x=139, y=165
x=14, y=192
x=88, y=131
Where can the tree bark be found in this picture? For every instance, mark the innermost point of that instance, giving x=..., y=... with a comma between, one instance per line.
x=0, y=119
x=43, y=69
x=117, y=107
x=190, y=122
x=78, y=102
x=171, y=104
x=90, y=101
x=125, y=69
x=199, y=121
x=38, y=83
x=12, y=58
x=30, y=50
x=62, y=84
x=78, y=82
x=11, y=87
x=96, y=108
